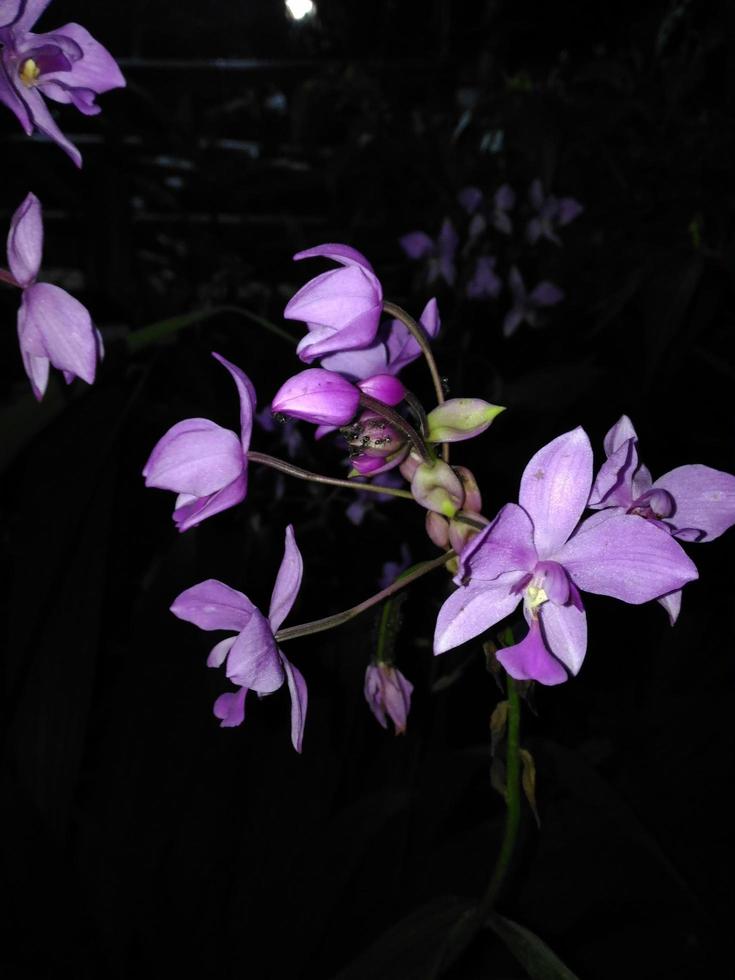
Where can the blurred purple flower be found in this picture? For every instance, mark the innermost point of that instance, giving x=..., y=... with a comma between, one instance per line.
x=341, y=308
x=527, y=305
x=392, y=569
x=206, y=465
x=67, y=65
x=503, y=202
x=693, y=503
x=388, y=694
x=254, y=660
x=470, y=198
x=53, y=327
x=534, y=552
x=438, y=254
x=364, y=502
x=484, y=284
x=551, y=212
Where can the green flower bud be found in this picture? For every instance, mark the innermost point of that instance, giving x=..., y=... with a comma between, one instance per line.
x=460, y=418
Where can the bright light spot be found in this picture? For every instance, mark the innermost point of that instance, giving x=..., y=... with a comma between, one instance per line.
x=300, y=8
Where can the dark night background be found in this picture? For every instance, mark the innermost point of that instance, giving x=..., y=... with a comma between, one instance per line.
x=136, y=836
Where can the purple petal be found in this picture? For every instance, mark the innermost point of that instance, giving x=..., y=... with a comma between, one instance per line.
x=25, y=241
x=569, y=209
x=704, y=498
x=288, y=581
x=416, y=244
x=474, y=608
x=44, y=121
x=318, y=396
x=529, y=660
x=384, y=387
x=565, y=632
x=642, y=481
x=505, y=198
x=402, y=346
x=470, y=198
x=359, y=364
x=672, y=604
x=96, y=70
x=505, y=545
x=511, y=321
x=299, y=699
x=517, y=286
x=555, y=487
x=53, y=324
x=218, y=653
x=196, y=457
x=254, y=660
x=546, y=294
x=31, y=13
x=344, y=254
x=192, y=511
x=212, y=605
x=626, y=557
x=614, y=483
x=230, y=708
x=620, y=433
x=9, y=10
x=246, y=391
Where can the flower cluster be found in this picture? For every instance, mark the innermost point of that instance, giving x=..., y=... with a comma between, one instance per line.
x=617, y=534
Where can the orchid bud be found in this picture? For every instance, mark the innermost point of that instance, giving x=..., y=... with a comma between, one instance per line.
x=363, y=465
x=384, y=387
x=317, y=395
x=373, y=435
x=460, y=418
x=437, y=527
x=472, y=498
x=460, y=532
x=410, y=464
x=388, y=694
x=436, y=487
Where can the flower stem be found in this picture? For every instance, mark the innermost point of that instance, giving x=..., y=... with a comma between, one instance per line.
x=329, y=622
x=419, y=335
x=399, y=423
x=513, y=801
x=290, y=470
x=8, y=278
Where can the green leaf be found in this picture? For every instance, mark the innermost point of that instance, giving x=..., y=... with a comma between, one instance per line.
x=164, y=330
x=539, y=962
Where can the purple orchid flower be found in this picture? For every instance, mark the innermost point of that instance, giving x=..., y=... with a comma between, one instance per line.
x=526, y=305
x=503, y=202
x=206, y=465
x=693, y=503
x=484, y=284
x=551, y=212
x=53, y=327
x=439, y=254
x=391, y=351
x=532, y=553
x=254, y=659
x=388, y=694
x=67, y=65
x=341, y=308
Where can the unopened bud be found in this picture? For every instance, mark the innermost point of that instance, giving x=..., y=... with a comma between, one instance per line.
x=460, y=418
x=437, y=527
x=437, y=487
x=373, y=435
x=472, y=497
x=317, y=395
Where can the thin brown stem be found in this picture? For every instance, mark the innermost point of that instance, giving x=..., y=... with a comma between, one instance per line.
x=290, y=470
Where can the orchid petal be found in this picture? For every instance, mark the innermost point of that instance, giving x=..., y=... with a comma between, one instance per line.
x=614, y=483
x=190, y=513
x=565, y=631
x=672, y=604
x=44, y=121
x=230, y=708
x=344, y=254
x=704, y=498
x=63, y=326
x=620, y=433
x=530, y=660
x=504, y=545
x=299, y=700
x=212, y=605
x=31, y=12
x=246, y=391
x=288, y=581
x=196, y=457
x=96, y=69
x=416, y=244
x=218, y=653
x=472, y=609
x=25, y=241
x=254, y=660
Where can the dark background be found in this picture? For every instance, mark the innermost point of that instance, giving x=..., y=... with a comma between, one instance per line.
x=139, y=838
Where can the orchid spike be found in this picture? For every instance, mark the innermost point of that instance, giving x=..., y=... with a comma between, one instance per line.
x=54, y=329
x=66, y=65
x=253, y=658
x=206, y=465
x=534, y=552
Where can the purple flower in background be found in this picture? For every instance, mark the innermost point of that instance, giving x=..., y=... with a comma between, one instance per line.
x=53, y=327
x=484, y=284
x=365, y=502
x=254, y=660
x=439, y=254
x=551, y=212
x=288, y=431
x=392, y=569
x=67, y=65
x=531, y=552
x=693, y=503
x=526, y=305
x=470, y=198
x=503, y=202
x=341, y=308
x=388, y=695
x=393, y=348
x=206, y=465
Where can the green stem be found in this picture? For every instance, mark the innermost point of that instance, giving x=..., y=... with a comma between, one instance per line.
x=419, y=334
x=155, y=332
x=513, y=801
x=398, y=421
x=329, y=622
x=290, y=470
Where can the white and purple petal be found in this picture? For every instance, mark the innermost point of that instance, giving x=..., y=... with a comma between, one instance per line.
x=704, y=499
x=474, y=608
x=212, y=605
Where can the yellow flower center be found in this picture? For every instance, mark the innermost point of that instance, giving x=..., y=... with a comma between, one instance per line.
x=535, y=597
x=29, y=72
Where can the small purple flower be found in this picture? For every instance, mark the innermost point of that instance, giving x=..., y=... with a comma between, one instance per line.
x=53, y=327
x=254, y=660
x=439, y=254
x=341, y=308
x=484, y=284
x=503, y=202
x=534, y=552
x=551, y=212
x=206, y=465
x=393, y=348
x=67, y=65
x=693, y=503
x=388, y=695
x=526, y=305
